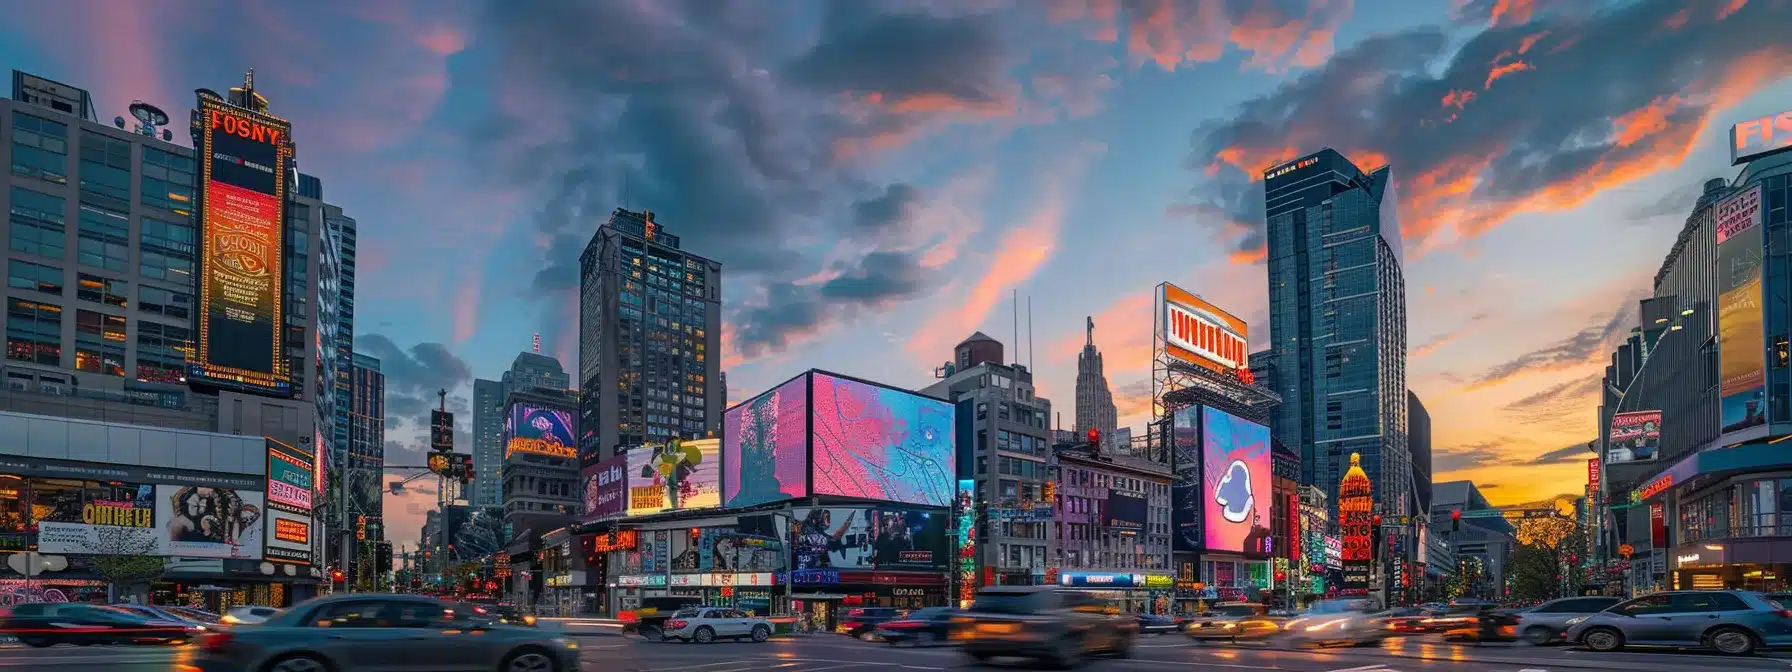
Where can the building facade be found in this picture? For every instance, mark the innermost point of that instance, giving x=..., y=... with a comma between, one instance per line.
x=367, y=445
x=1113, y=521
x=541, y=491
x=529, y=371
x=1418, y=445
x=650, y=326
x=1094, y=399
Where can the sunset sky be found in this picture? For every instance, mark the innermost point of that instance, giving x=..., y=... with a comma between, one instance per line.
x=878, y=178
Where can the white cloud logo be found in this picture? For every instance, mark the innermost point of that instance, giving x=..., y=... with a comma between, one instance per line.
x=1234, y=493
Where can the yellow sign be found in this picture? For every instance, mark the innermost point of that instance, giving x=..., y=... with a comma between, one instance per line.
x=119, y=514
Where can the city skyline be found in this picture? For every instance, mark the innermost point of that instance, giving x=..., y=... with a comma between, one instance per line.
x=1076, y=156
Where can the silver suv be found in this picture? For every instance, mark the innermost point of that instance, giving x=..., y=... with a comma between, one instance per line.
x=1735, y=622
x=1545, y=623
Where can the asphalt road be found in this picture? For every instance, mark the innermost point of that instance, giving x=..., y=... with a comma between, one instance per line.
x=609, y=653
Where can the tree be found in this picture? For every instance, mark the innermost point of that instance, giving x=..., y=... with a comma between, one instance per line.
x=125, y=557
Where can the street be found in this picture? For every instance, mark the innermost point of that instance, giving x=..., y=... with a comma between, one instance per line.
x=828, y=652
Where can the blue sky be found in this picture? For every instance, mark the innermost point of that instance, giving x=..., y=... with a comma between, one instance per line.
x=879, y=178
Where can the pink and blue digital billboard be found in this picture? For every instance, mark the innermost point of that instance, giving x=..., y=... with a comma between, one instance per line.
x=880, y=443
x=765, y=446
x=1235, y=470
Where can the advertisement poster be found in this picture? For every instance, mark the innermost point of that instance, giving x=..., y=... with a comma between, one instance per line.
x=201, y=522
x=1186, y=501
x=606, y=488
x=1200, y=333
x=724, y=550
x=288, y=530
x=909, y=539
x=874, y=442
x=646, y=487
x=964, y=564
x=691, y=472
x=289, y=478
x=244, y=157
x=539, y=431
x=765, y=446
x=833, y=538
x=1236, y=474
x=1356, y=503
x=1635, y=437
x=1741, y=340
x=1124, y=513
x=288, y=537
x=109, y=520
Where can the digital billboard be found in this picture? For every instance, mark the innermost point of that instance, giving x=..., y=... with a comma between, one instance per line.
x=1236, y=476
x=765, y=446
x=1200, y=333
x=875, y=442
x=606, y=488
x=1634, y=437
x=540, y=431
x=1356, y=504
x=646, y=485
x=1741, y=332
x=289, y=504
x=1186, y=498
x=909, y=539
x=206, y=522
x=693, y=472
x=1756, y=138
x=111, y=519
x=1125, y=513
x=833, y=538
x=244, y=158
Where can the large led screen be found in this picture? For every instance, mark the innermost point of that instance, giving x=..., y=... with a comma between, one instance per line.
x=244, y=159
x=909, y=539
x=1185, y=490
x=606, y=488
x=878, y=443
x=1741, y=330
x=540, y=431
x=834, y=538
x=207, y=522
x=289, y=504
x=1236, y=477
x=696, y=476
x=765, y=449
x=646, y=485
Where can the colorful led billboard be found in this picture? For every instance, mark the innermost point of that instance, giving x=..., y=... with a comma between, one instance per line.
x=1200, y=333
x=833, y=538
x=289, y=504
x=606, y=488
x=540, y=431
x=646, y=484
x=208, y=522
x=1634, y=437
x=1236, y=475
x=1741, y=332
x=1186, y=498
x=244, y=160
x=880, y=443
x=695, y=472
x=1125, y=513
x=765, y=447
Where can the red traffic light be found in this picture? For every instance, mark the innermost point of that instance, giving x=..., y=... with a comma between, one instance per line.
x=1094, y=435
x=335, y=575
x=1456, y=514
x=1376, y=519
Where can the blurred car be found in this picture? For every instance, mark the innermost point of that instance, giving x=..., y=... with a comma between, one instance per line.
x=1233, y=621
x=1545, y=623
x=932, y=624
x=1733, y=622
x=1483, y=624
x=649, y=620
x=46, y=624
x=512, y=614
x=1345, y=621
x=862, y=623
x=200, y=615
x=160, y=615
x=382, y=632
x=1157, y=624
x=1410, y=620
x=709, y=624
x=240, y=615
x=1042, y=623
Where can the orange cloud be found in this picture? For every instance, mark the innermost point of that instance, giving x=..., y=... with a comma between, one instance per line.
x=1499, y=71
x=1122, y=333
x=1458, y=99
x=1638, y=125
x=1511, y=12
x=731, y=356
x=1529, y=41
x=1023, y=252
x=1733, y=7
x=1251, y=256
x=1252, y=161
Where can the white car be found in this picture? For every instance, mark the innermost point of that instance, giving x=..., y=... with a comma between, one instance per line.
x=708, y=624
x=1350, y=622
x=249, y=615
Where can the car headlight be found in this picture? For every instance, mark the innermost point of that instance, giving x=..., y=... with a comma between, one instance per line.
x=1576, y=619
x=565, y=642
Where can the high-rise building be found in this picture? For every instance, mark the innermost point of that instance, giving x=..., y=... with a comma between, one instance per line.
x=1337, y=323
x=1094, y=399
x=529, y=371
x=540, y=478
x=1418, y=444
x=650, y=324
x=367, y=440
x=339, y=239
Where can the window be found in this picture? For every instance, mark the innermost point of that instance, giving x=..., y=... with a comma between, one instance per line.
x=167, y=180
x=106, y=169
x=99, y=342
x=39, y=148
x=158, y=301
x=35, y=277
x=38, y=223
x=102, y=290
x=1706, y=602
x=1651, y=604
x=105, y=237
x=358, y=614
x=34, y=332
x=162, y=352
x=168, y=250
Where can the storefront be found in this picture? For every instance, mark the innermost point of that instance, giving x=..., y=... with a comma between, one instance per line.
x=1234, y=578
x=825, y=596
x=1132, y=593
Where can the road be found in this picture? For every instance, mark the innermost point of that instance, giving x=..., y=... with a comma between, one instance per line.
x=609, y=653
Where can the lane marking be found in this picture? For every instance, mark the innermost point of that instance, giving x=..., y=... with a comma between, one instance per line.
x=1365, y=668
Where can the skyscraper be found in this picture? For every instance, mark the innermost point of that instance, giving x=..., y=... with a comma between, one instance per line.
x=367, y=441
x=1337, y=323
x=529, y=371
x=650, y=324
x=1094, y=401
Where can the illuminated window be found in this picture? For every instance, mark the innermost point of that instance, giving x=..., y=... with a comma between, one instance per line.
x=102, y=290
x=34, y=332
x=99, y=342
x=33, y=277
x=38, y=223
x=167, y=181
x=39, y=148
x=162, y=351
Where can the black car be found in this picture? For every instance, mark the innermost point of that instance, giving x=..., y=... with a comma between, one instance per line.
x=1156, y=624
x=921, y=626
x=512, y=614
x=862, y=623
x=44, y=624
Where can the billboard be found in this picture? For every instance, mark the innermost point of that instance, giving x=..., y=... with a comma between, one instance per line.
x=1755, y=138
x=909, y=539
x=606, y=488
x=244, y=160
x=833, y=538
x=1741, y=334
x=1356, y=504
x=204, y=522
x=540, y=431
x=289, y=504
x=765, y=446
x=1236, y=481
x=964, y=539
x=1186, y=499
x=693, y=472
x=110, y=519
x=880, y=443
x=1124, y=513
x=441, y=431
x=646, y=485
x=1634, y=437
x=1199, y=333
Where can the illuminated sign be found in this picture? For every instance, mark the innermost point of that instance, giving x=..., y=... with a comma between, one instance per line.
x=117, y=514
x=1657, y=486
x=537, y=430
x=244, y=158
x=290, y=477
x=1593, y=474
x=1741, y=320
x=293, y=531
x=1287, y=168
x=441, y=431
x=620, y=540
x=438, y=463
x=1756, y=137
x=639, y=580
x=1199, y=333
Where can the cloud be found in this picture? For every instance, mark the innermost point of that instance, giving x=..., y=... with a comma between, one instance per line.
x=1585, y=346
x=1677, y=203
x=1464, y=165
x=1271, y=35
x=414, y=376
x=1133, y=399
x=1437, y=342
x=1573, y=453
x=1469, y=456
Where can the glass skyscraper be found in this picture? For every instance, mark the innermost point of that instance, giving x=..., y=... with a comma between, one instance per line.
x=1337, y=323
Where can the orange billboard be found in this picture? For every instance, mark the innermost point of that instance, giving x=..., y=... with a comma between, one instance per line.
x=1199, y=332
x=1754, y=138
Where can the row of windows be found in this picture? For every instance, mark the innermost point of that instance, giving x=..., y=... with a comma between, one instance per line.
x=28, y=276
x=38, y=227
x=34, y=334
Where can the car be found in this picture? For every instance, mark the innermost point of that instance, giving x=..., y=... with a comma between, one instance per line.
x=862, y=623
x=376, y=632
x=932, y=624
x=649, y=619
x=1233, y=621
x=1157, y=624
x=1044, y=623
x=46, y=624
x=709, y=624
x=200, y=615
x=1410, y=620
x=1340, y=621
x=160, y=615
x=248, y=614
x=1545, y=623
x=1734, y=622
x=510, y=613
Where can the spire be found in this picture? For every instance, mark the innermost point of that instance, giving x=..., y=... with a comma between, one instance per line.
x=1089, y=340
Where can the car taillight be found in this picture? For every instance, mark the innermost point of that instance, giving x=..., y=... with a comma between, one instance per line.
x=628, y=617
x=856, y=612
x=1784, y=613
x=850, y=625
x=902, y=625
x=675, y=624
x=213, y=641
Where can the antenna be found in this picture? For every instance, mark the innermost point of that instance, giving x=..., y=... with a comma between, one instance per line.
x=443, y=396
x=1016, y=313
x=1029, y=332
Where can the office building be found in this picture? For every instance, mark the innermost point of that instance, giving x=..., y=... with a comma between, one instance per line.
x=1094, y=399
x=1113, y=520
x=1418, y=445
x=529, y=371
x=339, y=236
x=1482, y=544
x=650, y=326
x=367, y=442
x=540, y=477
x=1337, y=304
x=1009, y=459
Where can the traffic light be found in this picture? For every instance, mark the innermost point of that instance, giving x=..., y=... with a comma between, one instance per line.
x=336, y=576
x=1456, y=520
